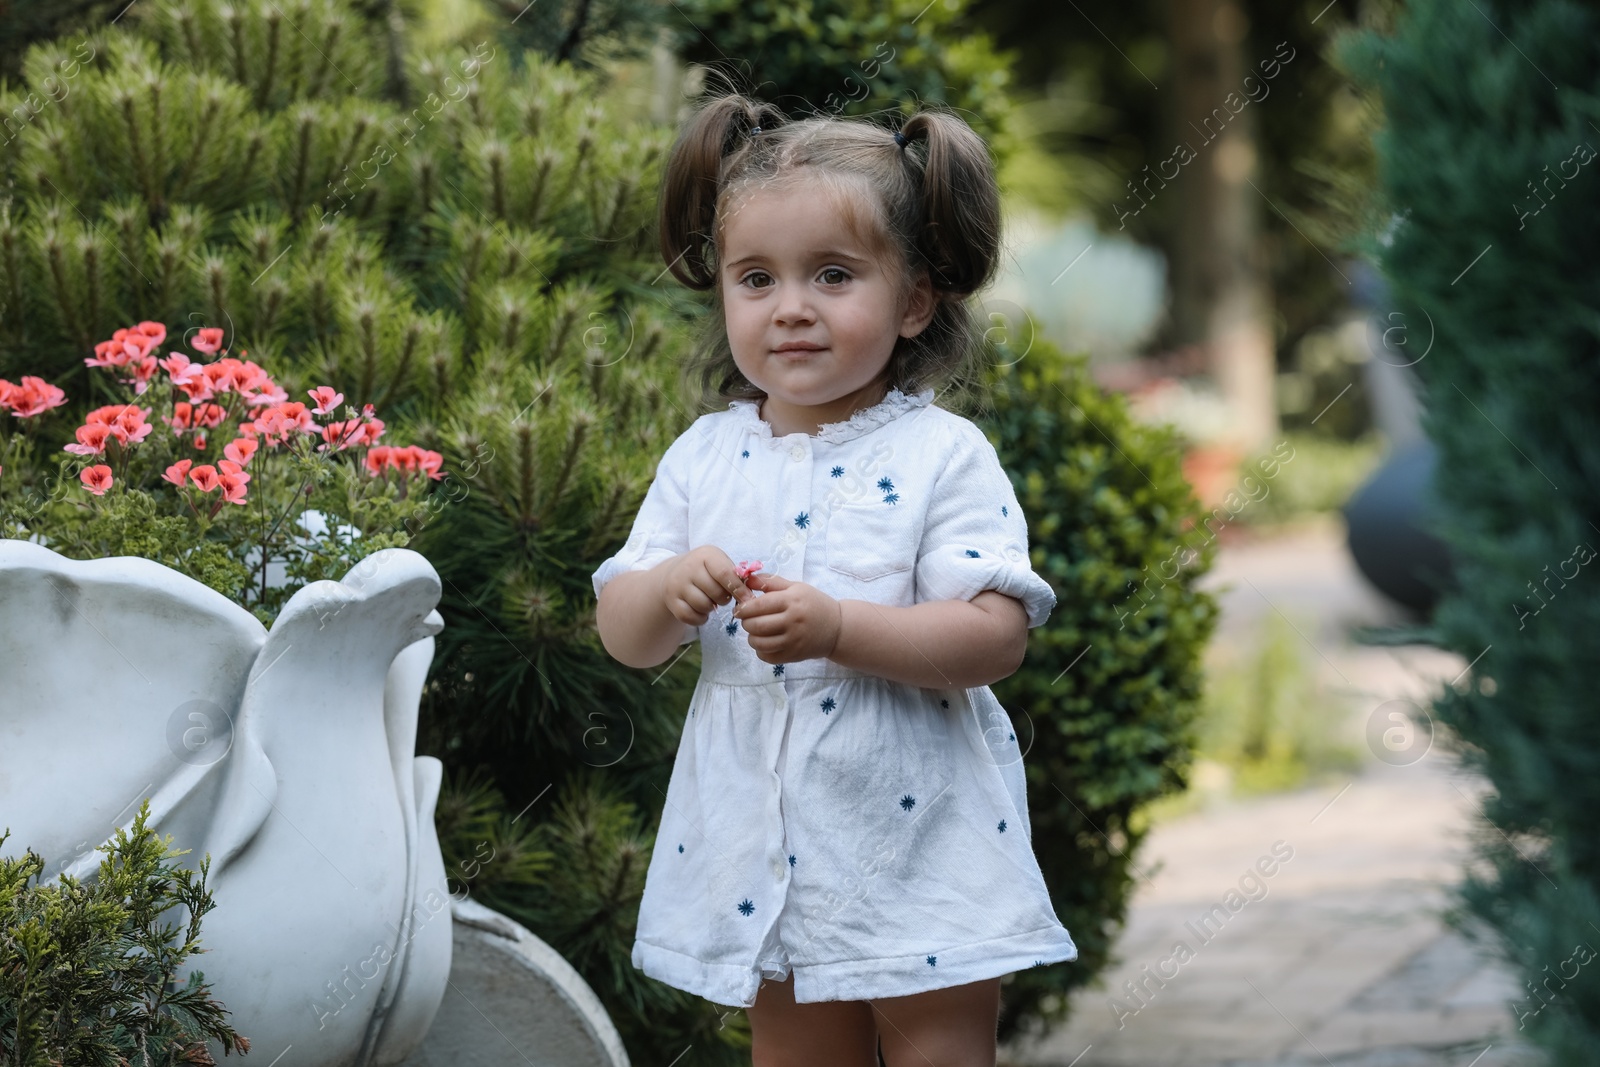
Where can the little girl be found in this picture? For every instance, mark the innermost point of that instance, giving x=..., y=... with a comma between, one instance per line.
x=845, y=849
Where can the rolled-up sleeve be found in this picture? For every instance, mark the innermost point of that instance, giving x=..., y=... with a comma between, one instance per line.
x=975, y=536
x=661, y=528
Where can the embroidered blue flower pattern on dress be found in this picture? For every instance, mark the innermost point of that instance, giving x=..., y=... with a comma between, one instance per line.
x=931, y=960
x=892, y=498
x=732, y=627
x=745, y=454
x=777, y=669
x=803, y=519
x=680, y=847
x=1005, y=510
x=745, y=907
x=791, y=861
x=837, y=472
x=828, y=704
x=972, y=552
x=885, y=485
x=908, y=802
x=1002, y=826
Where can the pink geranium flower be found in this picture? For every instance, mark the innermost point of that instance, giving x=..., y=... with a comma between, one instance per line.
x=223, y=375
x=232, y=479
x=377, y=459
x=341, y=435
x=371, y=429
x=143, y=370
x=207, y=339
x=407, y=460
x=155, y=331
x=96, y=479
x=91, y=440
x=278, y=422
x=32, y=396
x=204, y=477
x=196, y=387
x=125, y=421
x=241, y=449
x=127, y=345
x=178, y=473
x=257, y=386
x=194, y=416
x=327, y=400
x=181, y=370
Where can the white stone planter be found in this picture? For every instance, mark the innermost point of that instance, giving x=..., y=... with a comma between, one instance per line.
x=288, y=756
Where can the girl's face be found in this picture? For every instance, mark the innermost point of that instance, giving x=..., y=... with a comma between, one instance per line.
x=793, y=275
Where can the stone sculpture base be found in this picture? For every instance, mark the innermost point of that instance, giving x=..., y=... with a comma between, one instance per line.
x=511, y=1000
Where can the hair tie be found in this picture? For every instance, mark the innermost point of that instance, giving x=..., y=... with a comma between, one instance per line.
x=754, y=130
x=900, y=138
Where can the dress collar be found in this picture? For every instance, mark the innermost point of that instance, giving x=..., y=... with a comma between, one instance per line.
x=892, y=406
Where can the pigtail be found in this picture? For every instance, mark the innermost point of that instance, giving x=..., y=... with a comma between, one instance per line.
x=960, y=232
x=719, y=131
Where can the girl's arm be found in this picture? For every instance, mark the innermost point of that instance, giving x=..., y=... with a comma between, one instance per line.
x=939, y=644
x=635, y=626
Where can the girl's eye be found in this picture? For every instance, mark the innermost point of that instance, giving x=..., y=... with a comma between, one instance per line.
x=843, y=275
x=756, y=274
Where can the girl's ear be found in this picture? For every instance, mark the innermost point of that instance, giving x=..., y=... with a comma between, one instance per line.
x=919, y=308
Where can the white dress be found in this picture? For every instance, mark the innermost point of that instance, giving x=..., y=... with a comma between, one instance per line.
x=870, y=836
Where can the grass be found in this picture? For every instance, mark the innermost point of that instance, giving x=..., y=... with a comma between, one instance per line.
x=1318, y=480
x=1266, y=725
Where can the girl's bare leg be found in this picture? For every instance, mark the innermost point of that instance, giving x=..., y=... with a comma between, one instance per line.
x=834, y=1033
x=953, y=1027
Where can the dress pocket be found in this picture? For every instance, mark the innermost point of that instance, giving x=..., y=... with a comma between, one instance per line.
x=867, y=541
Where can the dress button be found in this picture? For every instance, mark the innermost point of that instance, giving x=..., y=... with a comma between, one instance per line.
x=798, y=452
x=777, y=870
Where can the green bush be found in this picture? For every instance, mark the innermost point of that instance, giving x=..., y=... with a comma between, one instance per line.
x=1108, y=694
x=1487, y=160
x=86, y=969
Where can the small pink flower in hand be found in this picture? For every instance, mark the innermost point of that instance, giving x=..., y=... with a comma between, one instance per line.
x=746, y=568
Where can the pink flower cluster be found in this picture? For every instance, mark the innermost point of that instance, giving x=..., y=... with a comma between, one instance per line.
x=33, y=397
x=230, y=478
x=210, y=396
x=407, y=460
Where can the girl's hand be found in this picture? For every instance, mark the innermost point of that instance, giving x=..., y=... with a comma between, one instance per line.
x=790, y=620
x=698, y=582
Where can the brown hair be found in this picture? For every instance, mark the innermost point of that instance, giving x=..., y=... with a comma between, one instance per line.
x=932, y=205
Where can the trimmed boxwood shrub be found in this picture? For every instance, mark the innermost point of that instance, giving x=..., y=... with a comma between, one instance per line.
x=1107, y=698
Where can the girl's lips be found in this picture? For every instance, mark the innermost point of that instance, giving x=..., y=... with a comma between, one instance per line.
x=797, y=353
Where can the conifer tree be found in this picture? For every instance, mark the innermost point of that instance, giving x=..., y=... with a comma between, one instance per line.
x=1488, y=163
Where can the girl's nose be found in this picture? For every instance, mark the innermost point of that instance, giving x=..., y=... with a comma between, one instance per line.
x=793, y=306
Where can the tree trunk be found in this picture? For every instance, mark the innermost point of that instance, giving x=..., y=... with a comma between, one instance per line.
x=1220, y=298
